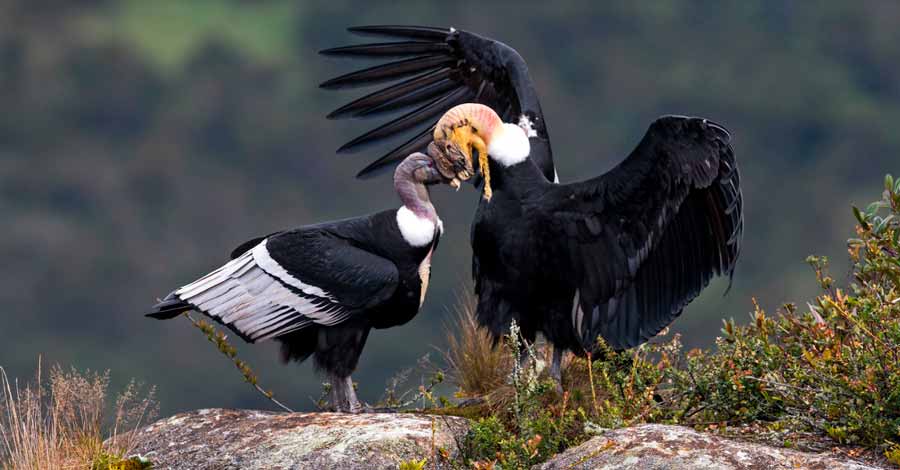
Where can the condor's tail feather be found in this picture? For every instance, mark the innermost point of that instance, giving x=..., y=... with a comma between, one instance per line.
x=170, y=307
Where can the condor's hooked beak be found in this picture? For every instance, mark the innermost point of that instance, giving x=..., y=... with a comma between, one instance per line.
x=453, y=164
x=465, y=139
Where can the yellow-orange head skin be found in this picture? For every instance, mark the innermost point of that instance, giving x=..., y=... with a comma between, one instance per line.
x=470, y=126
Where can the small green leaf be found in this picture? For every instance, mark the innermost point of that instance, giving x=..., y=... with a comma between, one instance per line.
x=880, y=224
x=859, y=217
x=888, y=182
x=872, y=208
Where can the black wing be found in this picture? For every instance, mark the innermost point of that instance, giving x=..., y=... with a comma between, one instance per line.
x=249, y=244
x=645, y=238
x=288, y=281
x=438, y=68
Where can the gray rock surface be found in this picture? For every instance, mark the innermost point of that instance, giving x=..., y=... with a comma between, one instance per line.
x=660, y=447
x=217, y=439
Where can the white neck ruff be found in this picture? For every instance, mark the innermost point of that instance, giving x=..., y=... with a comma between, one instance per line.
x=509, y=145
x=417, y=231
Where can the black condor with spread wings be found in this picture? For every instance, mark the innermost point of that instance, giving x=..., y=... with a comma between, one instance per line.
x=619, y=255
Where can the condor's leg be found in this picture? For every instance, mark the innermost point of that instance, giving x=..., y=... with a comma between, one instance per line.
x=556, y=368
x=343, y=396
x=337, y=353
x=352, y=401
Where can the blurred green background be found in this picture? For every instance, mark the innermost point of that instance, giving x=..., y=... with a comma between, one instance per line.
x=141, y=141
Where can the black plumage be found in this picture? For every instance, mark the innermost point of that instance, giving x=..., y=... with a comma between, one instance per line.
x=320, y=289
x=619, y=255
x=461, y=67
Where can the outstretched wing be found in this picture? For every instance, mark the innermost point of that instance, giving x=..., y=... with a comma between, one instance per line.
x=645, y=238
x=438, y=68
x=289, y=281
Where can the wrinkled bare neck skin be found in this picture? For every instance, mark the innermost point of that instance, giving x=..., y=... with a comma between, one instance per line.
x=413, y=193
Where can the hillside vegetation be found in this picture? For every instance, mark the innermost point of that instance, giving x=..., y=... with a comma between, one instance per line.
x=814, y=376
x=140, y=143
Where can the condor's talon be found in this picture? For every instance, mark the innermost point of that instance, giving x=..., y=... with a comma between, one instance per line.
x=455, y=183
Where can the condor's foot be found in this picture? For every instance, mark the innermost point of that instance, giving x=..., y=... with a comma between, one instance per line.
x=343, y=395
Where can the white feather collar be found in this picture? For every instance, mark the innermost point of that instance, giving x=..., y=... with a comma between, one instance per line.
x=509, y=145
x=417, y=231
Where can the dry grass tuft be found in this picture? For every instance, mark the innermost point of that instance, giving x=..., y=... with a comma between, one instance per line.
x=476, y=365
x=61, y=424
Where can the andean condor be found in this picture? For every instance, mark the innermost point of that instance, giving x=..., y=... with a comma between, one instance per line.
x=618, y=256
x=321, y=288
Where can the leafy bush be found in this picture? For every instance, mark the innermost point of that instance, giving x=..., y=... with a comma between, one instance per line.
x=831, y=369
x=535, y=424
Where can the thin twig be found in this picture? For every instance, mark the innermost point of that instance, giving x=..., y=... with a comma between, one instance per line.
x=226, y=349
x=590, y=367
x=856, y=323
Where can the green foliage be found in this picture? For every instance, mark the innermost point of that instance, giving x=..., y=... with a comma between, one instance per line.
x=830, y=369
x=893, y=455
x=625, y=383
x=490, y=444
x=413, y=465
x=157, y=93
x=107, y=461
x=533, y=428
x=485, y=439
x=169, y=33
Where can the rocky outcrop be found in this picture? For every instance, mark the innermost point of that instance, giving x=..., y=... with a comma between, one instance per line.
x=253, y=440
x=660, y=447
x=217, y=439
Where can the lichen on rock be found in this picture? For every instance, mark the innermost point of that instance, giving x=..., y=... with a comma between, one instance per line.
x=662, y=447
x=254, y=440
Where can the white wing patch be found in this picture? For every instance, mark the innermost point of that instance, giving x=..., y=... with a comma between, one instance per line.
x=527, y=125
x=417, y=231
x=265, y=261
x=248, y=293
x=577, y=313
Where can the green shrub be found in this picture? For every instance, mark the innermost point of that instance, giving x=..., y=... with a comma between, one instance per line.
x=106, y=461
x=535, y=426
x=832, y=368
